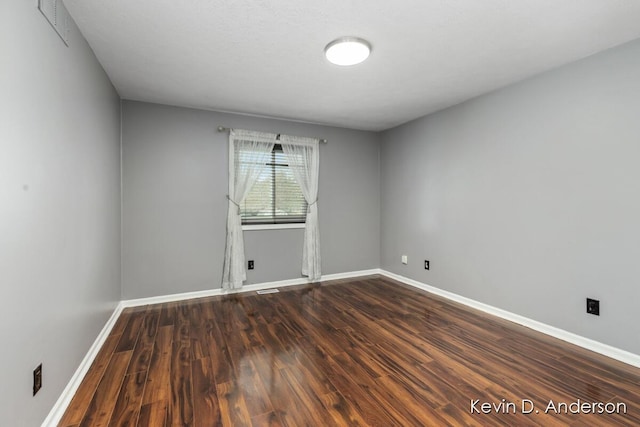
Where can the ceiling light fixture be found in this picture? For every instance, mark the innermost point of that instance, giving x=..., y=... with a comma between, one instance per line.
x=347, y=51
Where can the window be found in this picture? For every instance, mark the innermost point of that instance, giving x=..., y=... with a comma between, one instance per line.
x=276, y=197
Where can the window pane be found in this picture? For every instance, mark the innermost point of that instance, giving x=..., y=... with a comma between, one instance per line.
x=289, y=198
x=276, y=197
x=259, y=202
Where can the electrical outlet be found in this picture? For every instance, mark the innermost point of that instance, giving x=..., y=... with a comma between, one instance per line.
x=37, y=379
x=251, y=265
x=593, y=306
x=426, y=264
x=405, y=259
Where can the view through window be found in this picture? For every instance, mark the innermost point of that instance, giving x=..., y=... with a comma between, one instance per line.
x=276, y=197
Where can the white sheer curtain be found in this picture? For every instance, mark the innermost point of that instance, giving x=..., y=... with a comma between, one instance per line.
x=303, y=159
x=248, y=153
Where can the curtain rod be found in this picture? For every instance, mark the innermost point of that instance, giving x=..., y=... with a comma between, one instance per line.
x=225, y=129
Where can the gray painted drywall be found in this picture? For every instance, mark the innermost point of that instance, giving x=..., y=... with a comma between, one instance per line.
x=174, y=201
x=528, y=198
x=59, y=208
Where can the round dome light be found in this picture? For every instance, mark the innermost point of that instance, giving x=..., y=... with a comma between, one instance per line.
x=347, y=51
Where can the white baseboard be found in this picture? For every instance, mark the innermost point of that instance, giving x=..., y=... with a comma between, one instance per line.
x=247, y=288
x=351, y=274
x=587, y=343
x=56, y=413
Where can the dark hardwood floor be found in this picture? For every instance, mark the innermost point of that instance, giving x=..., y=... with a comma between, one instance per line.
x=346, y=353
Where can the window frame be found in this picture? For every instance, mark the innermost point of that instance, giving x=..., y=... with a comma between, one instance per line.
x=273, y=165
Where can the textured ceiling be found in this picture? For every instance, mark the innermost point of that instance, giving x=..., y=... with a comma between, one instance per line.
x=265, y=57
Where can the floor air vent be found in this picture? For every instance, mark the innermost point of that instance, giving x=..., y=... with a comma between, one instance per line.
x=267, y=291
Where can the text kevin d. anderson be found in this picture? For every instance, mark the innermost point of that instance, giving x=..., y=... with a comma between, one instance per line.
x=527, y=406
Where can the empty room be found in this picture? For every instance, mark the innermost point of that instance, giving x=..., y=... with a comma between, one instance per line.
x=336, y=213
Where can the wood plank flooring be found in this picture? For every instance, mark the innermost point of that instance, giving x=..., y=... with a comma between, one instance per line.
x=367, y=352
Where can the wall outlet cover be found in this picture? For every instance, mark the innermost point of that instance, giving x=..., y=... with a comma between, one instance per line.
x=37, y=379
x=593, y=306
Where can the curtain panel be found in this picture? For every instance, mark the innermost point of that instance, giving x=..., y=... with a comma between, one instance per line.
x=304, y=161
x=254, y=149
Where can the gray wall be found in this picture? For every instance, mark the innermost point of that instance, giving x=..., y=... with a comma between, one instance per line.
x=59, y=208
x=528, y=198
x=174, y=202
